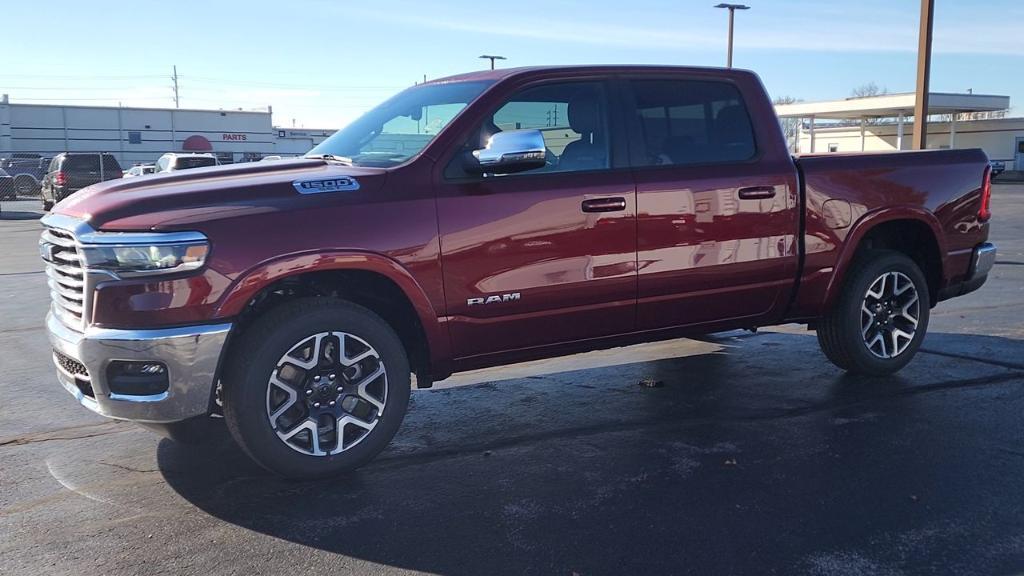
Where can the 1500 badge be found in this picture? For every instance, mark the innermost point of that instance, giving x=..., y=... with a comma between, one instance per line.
x=340, y=184
x=494, y=299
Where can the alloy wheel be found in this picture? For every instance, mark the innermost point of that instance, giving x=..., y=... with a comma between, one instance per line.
x=890, y=313
x=327, y=393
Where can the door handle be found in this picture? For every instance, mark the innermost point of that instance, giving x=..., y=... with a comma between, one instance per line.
x=757, y=192
x=604, y=204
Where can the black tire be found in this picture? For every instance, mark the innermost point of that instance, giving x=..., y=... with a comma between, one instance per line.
x=840, y=331
x=25, y=186
x=254, y=358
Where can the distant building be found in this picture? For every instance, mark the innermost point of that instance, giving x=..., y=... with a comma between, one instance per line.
x=880, y=123
x=141, y=135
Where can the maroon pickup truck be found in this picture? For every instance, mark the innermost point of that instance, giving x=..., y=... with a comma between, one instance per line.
x=484, y=219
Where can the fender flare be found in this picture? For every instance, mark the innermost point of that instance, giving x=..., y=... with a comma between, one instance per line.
x=870, y=221
x=249, y=283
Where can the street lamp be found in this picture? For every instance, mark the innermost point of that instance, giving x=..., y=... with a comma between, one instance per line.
x=492, y=59
x=732, y=12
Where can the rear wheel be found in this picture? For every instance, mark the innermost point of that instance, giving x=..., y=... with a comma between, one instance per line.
x=880, y=319
x=25, y=186
x=316, y=387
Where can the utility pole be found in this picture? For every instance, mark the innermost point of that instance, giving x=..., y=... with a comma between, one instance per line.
x=924, y=65
x=492, y=59
x=732, y=15
x=175, y=78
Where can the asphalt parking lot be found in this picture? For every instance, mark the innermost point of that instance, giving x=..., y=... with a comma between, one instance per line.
x=754, y=456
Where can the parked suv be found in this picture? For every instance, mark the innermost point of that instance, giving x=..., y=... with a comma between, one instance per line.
x=139, y=170
x=26, y=170
x=69, y=172
x=485, y=219
x=6, y=186
x=174, y=161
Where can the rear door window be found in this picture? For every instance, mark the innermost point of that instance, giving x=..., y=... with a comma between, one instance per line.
x=82, y=163
x=680, y=122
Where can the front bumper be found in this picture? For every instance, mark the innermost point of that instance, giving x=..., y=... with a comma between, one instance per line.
x=191, y=355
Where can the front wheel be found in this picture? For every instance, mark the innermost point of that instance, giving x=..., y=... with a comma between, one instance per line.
x=880, y=319
x=316, y=387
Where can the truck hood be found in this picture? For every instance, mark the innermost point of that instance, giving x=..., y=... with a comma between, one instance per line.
x=186, y=197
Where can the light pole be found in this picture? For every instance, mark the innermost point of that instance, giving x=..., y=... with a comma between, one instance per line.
x=732, y=14
x=492, y=59
x=924, y=67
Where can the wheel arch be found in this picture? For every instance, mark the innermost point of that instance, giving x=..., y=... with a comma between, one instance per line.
x=912, y=231
x=371, y=280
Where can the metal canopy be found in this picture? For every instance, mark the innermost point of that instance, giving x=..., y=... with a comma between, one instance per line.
x=892, y=105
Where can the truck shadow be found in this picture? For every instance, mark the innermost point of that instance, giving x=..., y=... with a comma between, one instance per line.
x=589, y=472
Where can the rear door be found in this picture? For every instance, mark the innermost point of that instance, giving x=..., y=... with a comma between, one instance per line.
x=717, y=204
x=549, y=255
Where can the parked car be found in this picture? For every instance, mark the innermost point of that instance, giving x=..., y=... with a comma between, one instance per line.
x=140, y=170
x=27, y=171
x=69, y=172
x=490, y=218
x=175, y=161
x=998, y=167
x=6, y=186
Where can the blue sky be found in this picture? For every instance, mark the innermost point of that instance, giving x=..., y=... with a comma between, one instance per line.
x=324, y=62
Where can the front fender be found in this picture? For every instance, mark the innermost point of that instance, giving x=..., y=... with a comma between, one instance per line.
x=248, y=284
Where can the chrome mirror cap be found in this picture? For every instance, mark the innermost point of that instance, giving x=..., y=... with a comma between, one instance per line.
x=512, y=151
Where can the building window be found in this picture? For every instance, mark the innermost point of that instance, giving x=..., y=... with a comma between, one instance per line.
x=280, y=134
x=135, y=137
x=833, y=147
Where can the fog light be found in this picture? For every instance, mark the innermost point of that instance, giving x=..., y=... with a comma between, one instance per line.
x=137, y=378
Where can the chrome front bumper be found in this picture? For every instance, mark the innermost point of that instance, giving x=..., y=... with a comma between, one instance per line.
x=191, y=355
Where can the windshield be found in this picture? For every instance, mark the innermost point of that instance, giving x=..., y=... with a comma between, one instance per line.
x=401, y=127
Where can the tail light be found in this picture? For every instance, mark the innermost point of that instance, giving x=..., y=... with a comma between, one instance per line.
x=986, y=195
x=60, y=179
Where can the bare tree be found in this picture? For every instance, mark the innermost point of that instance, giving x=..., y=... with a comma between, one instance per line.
x=868, y=90
x=789, y=125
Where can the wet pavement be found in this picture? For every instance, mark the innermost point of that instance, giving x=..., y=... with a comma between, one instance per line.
x=752, y=454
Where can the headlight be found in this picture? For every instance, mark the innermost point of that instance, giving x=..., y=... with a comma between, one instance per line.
x=146, y=253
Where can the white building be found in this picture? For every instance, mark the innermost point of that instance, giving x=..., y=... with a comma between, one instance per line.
x=141, y=135
x=882, y=123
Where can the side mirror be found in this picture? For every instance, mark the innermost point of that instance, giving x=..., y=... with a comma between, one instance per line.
x=511, y=151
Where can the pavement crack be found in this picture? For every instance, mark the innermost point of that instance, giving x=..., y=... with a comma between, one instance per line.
x=1000, y=363
x=129, y=468
x=69, y=433
x=1009, y=263
x=21, y=273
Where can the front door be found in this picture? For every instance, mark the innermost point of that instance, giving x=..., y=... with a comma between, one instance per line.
x=717, y=216
x=1020, y=154
x=530, y=259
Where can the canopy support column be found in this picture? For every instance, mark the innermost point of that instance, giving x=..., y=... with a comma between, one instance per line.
x=899, y=131
x=812, y=134
x=952, y=131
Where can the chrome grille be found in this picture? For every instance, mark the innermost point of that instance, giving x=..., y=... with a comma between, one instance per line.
x=65, y=276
